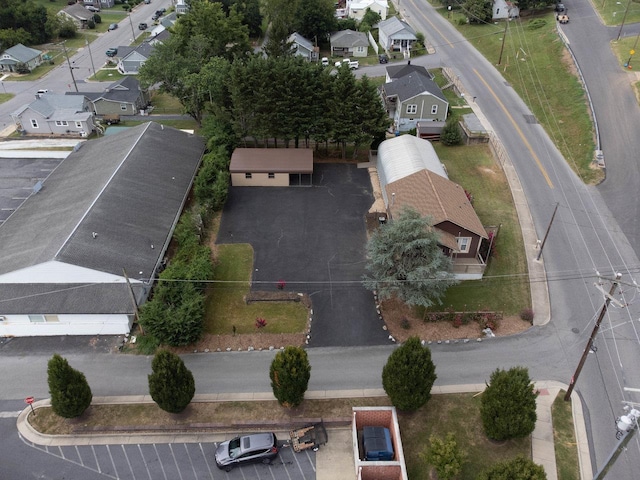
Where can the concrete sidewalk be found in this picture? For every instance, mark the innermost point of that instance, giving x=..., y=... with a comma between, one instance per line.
x=334, y=461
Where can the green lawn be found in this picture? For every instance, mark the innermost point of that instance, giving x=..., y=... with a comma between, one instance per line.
x=165, y=104
x=565, y=439
x=612, y=11
x=5, y=97
x=543, y=79
x=107, y=75
x=460, y=415
x=225, y=301
x=505, y=286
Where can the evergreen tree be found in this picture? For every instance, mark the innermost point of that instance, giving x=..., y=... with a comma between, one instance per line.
x=445, y=456
x=404, y=259
x=289, y=374
x=508, y=407
x=69, y=390
x=519, y=468
x=171, y=384
x=408, y=375
x=451, y=133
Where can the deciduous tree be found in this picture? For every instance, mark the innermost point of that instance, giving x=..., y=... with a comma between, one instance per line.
x=405, y=260
x=289, y=373
x=408, y=375
x=171, y=383
x=69, y=390
x=508, y=406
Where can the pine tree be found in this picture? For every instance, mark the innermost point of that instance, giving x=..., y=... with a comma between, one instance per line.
x=69, y=390
x=289, y=374
x=171, y=384
x=445, y=456
x=508, y=407
x=451, y=135
x=408, y=375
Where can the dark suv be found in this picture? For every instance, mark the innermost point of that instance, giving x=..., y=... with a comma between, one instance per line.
x=253, y=448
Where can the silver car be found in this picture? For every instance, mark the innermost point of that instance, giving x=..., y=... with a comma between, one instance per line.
x=256, y=447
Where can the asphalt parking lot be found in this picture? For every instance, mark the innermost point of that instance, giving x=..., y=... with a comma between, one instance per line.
x=183, y=461
x=314, y=239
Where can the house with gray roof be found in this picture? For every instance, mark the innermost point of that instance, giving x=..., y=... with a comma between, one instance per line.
x=411, y=96
x=123, y=97
x=12, y=57
x=131, y=59
x=395, y=35
x=56, y=114
x=410, y=174
x=78, y=13
x=347, y=43
x=79, y=251
x=301, y=47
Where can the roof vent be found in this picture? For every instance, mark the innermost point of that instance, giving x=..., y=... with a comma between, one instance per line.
x=94, y=234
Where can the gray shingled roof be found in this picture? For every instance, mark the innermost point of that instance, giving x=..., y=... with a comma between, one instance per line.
x=127, y=188
x=349, y=38
x=143, y=49
x=125, y=90
x=411, y=85
x=78, y=11
x=21, y=53
x=393, y=26
x=398, y=71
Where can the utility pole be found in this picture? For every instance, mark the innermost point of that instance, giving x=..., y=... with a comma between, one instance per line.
x=544, y=240
x=596, y=327
x=133, y=32
x=66, y=54
x=86, y=41
x=504, y=37
x=624, y=17
x=626, y=427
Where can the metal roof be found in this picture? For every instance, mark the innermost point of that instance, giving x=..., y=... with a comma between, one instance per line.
x=405, y=155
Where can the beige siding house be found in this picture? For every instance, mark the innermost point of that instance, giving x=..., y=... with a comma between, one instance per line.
x=271, y=167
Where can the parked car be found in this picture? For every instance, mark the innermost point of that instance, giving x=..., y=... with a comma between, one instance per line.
x=560, y=8
x=142, y=26
x=41, y=92
x=147, y=2
x=91, y=8
x=383, y=58
x=111, y=52
x=325, y=62
x=113, y=26
x=253, y=448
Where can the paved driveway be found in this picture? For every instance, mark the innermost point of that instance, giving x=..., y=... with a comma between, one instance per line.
x=314, y=239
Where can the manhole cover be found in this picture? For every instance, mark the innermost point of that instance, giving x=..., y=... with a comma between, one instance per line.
x=575, y=330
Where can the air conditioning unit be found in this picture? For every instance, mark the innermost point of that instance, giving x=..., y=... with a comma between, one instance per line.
x=2, y=319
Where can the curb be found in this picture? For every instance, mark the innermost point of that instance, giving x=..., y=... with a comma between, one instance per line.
x=543, y=434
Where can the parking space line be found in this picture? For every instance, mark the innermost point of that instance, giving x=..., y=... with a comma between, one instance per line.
x=299, y=467
x=286, y=469
x=193, y=467
x=160, y=462
x=115, y=470
x=62, y=453
x=311, y=462
x=175, y=460
x=144, y=460
x=96, y=458
x=79, y=456
x=128, y=462
x=205, y=461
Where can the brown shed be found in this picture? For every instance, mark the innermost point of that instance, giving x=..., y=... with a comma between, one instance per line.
x=271, y=167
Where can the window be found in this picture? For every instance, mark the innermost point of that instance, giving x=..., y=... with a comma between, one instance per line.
x=247, y=175
x=412, y=108
x=434, y=109
x=34, y=123
x=360, y=49
x=272, y=175
x=464, y=243
x=123, y=107
x=78, y=124
x=61, y=123
x=43, y=318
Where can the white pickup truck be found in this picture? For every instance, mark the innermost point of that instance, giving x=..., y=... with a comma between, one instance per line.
x=353, y=64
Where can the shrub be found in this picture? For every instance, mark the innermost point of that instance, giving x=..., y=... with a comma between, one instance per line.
x=97, y=18
x=171, y=385
x=519, y=468
x=289, y=373
x=408, y=375
x=69, y=390
x=527, y=315
x=91, y=24
x=445, y=455
x=508, y=405
x=451, y=135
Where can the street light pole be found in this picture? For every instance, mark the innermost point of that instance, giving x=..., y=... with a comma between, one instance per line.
x=90, y=56
x=66, y=54
x=624, y=17
x=133, y=32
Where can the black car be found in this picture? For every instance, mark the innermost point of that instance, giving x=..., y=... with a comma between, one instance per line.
x=560, y=8
x=142, y=26
x=383, y=58
x=253, y=448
